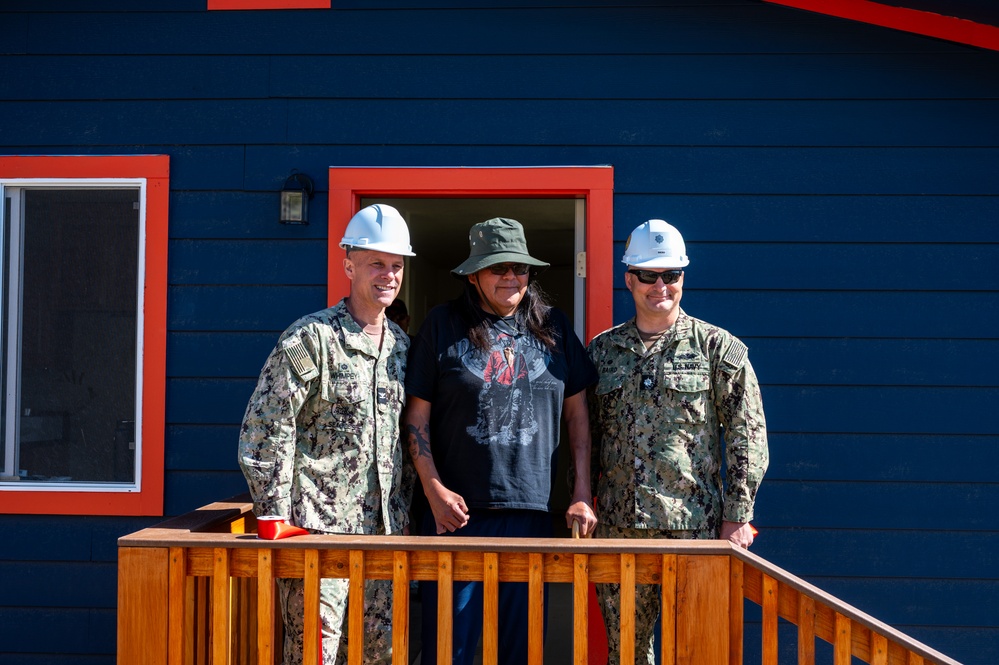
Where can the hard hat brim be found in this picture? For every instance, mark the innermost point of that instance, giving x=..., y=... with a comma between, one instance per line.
x=660, y=262
x=388, y=248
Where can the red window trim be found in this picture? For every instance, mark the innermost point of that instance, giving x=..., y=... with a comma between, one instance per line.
x=148, y=500
x=951, y=28
x=595, y=184
x=214, y=5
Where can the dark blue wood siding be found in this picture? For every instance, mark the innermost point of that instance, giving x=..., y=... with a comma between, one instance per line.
x=836, y=183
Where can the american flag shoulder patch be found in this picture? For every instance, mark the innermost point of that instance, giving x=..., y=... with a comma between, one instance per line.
x=300, y=361
x=736, y=354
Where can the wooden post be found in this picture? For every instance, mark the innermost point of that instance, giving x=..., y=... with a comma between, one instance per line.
x=702, y=599
x=142, y=605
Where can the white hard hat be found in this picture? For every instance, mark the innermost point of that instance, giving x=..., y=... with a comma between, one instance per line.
x=655, y=244
x=379, y=228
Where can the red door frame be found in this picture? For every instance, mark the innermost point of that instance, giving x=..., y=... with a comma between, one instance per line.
x=594, y=184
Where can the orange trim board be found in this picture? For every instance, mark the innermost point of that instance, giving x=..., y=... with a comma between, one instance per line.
x=594, y=184
x=950, y=28
x=155, y=169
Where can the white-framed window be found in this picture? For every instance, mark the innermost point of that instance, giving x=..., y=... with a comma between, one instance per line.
x=81, y=419
x=71, y=363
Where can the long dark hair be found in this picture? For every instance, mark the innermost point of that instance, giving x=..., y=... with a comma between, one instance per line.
x=531, y=315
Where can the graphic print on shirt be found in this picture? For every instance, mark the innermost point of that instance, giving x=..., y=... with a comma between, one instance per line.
x=506, y=408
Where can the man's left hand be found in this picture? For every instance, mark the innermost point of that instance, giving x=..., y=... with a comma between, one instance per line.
x=739, y=533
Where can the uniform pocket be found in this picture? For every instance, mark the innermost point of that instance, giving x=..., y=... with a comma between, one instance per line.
x=345, y=411
x=689, y=393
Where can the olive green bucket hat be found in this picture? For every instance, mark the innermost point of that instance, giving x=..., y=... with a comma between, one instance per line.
x=497, y=240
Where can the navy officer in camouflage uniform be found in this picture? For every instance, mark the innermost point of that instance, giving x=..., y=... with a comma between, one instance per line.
x=320, y=442
x=677, y=401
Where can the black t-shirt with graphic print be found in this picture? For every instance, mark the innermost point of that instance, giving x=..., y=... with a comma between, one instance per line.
x=495, y=415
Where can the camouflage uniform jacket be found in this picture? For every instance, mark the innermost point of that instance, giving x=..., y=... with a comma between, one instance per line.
x=321, y=441
x=659, y=418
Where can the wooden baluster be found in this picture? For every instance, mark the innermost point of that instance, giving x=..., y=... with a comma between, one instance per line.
x=220, y=607
x=806, y=630
x=769, y=620
x=580, y=608
x=177, y=600
x=190, y=611
x=736, y=605
x=201, y=628
x=355, y=610
x=445, y=606
x=400, y=607
x=915, y=659
x=535, y=609
x=313, y=630
x=842, y=640
x=879, y=649
x=627, y=608
x=265, y=606
x=490, y=608
x=668, y=609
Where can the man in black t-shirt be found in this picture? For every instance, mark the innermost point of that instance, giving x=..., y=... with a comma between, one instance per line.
x=490, y=375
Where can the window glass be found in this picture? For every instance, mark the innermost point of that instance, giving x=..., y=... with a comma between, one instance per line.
x=73, y=288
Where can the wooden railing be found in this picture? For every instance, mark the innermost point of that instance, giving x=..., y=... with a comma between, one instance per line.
x=199, y=589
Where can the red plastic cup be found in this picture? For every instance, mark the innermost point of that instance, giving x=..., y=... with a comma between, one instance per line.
x=267, y=526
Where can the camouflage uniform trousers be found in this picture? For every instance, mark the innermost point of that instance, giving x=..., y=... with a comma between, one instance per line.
x=333, y=618
x=648, y=597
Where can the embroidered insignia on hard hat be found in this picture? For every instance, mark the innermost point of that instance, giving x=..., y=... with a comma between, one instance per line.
x=659, y=239
x=300, y=360
x=735, y=355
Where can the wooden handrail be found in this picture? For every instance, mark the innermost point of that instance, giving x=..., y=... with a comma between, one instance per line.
x=192, y=591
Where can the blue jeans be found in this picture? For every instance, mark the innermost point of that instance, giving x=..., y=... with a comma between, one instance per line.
x=513, y=599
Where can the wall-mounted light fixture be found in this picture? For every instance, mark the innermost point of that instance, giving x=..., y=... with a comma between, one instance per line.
x=295, y=197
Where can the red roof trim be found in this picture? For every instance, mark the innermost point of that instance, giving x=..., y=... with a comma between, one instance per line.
x=267, y=4
x=919, y=22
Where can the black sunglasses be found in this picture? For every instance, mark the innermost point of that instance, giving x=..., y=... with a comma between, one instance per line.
x=518, y=268
x=650, y=276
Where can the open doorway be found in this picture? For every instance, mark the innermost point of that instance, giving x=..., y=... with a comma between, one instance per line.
x=567, y=217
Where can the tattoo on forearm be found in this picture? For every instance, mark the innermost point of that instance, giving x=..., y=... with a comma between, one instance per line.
x=419, y=442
